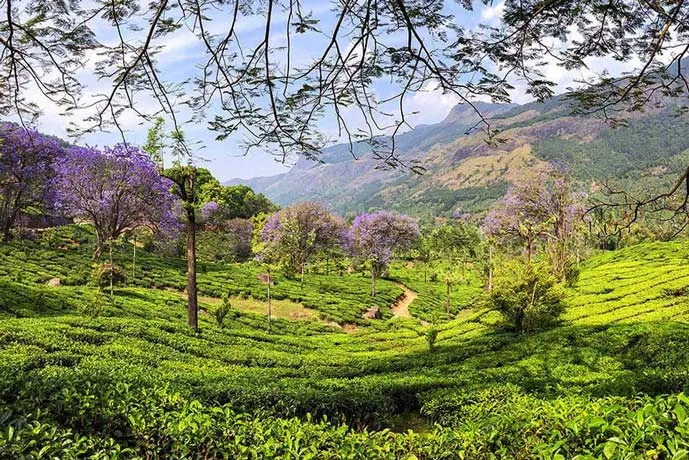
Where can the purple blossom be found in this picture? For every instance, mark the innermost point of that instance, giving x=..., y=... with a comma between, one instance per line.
x=116, y=189
x=26, y=174
x=299, y=231
x=376, y=236
x=544, y=208
x=209, y=211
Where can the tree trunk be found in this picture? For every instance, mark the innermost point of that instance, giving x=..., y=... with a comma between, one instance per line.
x=193, y=310
x=6, y=231
x=490, y=268
x=373, y=282
x=112, y=268
x=11, y=217
x=134, y=260
x=100, y=245
x=270, y=307
x=519, y=320
x=301, y=282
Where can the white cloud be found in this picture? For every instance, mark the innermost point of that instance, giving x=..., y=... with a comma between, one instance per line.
x=494, y=12
x=432, y=104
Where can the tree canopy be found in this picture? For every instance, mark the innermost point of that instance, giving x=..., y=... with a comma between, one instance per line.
x=27, y=172
x=116, y=189
x=374, y=238
x=101, y=60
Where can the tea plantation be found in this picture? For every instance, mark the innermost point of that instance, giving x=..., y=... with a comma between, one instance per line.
x=136, y=382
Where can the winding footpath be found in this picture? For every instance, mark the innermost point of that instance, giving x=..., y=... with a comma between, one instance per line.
x=401, y=307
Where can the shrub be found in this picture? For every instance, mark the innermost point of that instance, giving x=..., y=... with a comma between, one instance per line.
x=431, y=336
x=93, y=307
x=221, y=312
x=571, y=274
x=528, y=296
x=102, y=274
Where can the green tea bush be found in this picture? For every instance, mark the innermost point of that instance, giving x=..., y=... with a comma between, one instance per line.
x=135, y=382
x=571, y=275
x=527, y=295
x=105, y=273
x=431, y=337
x=95, y=306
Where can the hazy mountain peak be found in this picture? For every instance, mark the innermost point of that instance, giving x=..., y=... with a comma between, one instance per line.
x=464, y=113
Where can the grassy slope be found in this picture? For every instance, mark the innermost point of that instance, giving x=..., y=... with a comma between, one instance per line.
x=623, y=335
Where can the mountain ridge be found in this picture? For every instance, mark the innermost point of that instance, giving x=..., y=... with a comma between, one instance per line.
x=466, y=173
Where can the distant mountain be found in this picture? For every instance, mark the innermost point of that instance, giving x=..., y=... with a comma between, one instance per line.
x=465, y=173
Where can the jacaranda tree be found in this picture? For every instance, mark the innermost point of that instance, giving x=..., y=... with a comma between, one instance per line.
x=375, y=237
x=116, y=189
x=544, y=209
x=26, y=174
x=299, y=232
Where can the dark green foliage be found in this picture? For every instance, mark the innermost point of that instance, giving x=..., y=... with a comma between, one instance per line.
x=93, y=307
x=528, y=296
x=435, y=201
x=431, y=337
x=222, y=310
x=104, y=274
x=645, y=142
x=237, y=201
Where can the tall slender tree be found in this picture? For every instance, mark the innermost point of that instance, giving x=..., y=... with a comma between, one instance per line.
x=185, y=179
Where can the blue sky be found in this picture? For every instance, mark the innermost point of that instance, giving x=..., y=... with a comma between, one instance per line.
x=182, y=52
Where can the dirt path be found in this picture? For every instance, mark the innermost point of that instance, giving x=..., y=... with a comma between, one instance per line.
x=401, y=307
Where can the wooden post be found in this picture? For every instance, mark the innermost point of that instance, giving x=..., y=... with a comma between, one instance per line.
x=490, y=267
x=447, y=300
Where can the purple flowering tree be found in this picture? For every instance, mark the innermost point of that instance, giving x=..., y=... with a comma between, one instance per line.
x=116, y=189
x=375, y=238
x=209, y=213
x=545, y=209
x=26, y=174
x=297, y=233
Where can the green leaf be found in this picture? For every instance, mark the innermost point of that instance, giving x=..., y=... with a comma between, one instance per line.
x=609, y=450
